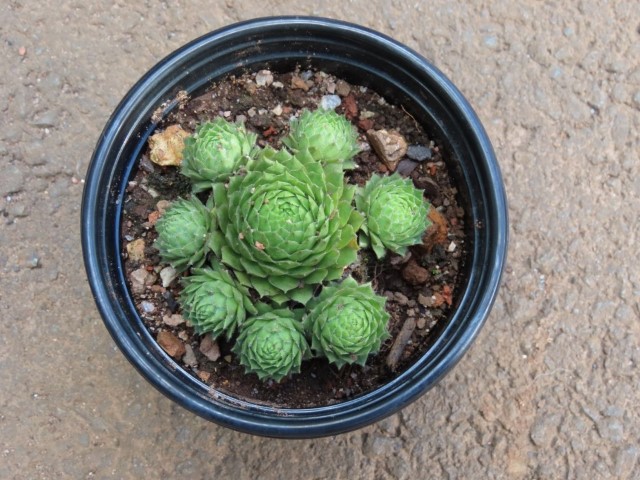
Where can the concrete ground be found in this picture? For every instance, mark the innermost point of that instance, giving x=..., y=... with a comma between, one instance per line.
x=551, y=388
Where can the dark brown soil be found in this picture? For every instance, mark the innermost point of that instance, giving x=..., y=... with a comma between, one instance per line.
x=421, y=287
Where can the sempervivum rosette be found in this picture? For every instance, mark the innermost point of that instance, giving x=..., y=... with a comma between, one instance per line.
x=395, y=214
x=347, y=322
x=214, y=302
x=183, y=231
x=286, y=225
x=327, y=136
x=272, y=345
x=215, y=151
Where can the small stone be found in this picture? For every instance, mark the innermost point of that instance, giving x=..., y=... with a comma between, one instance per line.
x=168, y=275
x=171, y=344
x=400, y=343
x=162, y=206
x=401, y=298
x=452, y=247
x=189, y=358
x=135, y=250
x=172, y=305
x=421, y=323
x=251, y=87
x=405, y=167
x=424, y=300
x=299, y=83
x=140, y=279
x=264, y=78
x=166, y=147
x=414, y=273
x=173, y=320
x=146, y=165
x=277, y=111
x=204, y=376
x=209, y=348
x=330, y=102
x=277, y=85
x=33, y=261
x=419, y=153
x=350, y=107
x=227, y=358
x=389, y=145
x=148, y=307
x=241, y=118
x=343, y=88
x=153, y=217
x=22, y=51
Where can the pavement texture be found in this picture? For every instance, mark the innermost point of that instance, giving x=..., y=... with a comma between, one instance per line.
x=550, y=389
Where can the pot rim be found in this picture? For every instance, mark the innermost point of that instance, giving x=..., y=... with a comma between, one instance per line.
x=166, y=375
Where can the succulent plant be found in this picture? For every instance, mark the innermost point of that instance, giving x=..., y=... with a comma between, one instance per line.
x=215, y=151
x=183, y=232
x=214, y=302
x=287, y=225
x=347, y=322
x=395, y=214
x=272, y=344
x=327, y=136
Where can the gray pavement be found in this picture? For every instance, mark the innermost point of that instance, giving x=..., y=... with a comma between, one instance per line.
x=551, y=388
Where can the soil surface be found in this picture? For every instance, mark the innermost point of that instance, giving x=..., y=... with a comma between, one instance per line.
x=420, y=287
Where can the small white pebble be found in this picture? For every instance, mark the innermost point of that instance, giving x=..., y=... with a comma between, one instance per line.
x=148, y=307
x=277, y=85
x=264, y=78
x=330, y=102
x=277, y=111
x=452, y=247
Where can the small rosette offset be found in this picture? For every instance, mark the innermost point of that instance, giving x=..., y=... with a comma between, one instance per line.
x=215, y=151
x=183, y=232
x=327, y=136
x=272, y=345
x=214, y=302
x=347, y=322
x=395, y=214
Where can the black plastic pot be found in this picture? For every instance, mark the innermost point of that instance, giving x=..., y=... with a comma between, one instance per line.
x=356, y=54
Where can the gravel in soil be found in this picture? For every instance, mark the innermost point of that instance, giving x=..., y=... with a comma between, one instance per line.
x=420, y=287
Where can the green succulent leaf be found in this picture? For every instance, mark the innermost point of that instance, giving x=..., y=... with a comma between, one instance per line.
x=214, y=302
x=272, y=344
x=215, y=151
x=183, y=233
x=326, y=135
x=286, y=225
x=395, y=214
x=347, y=322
